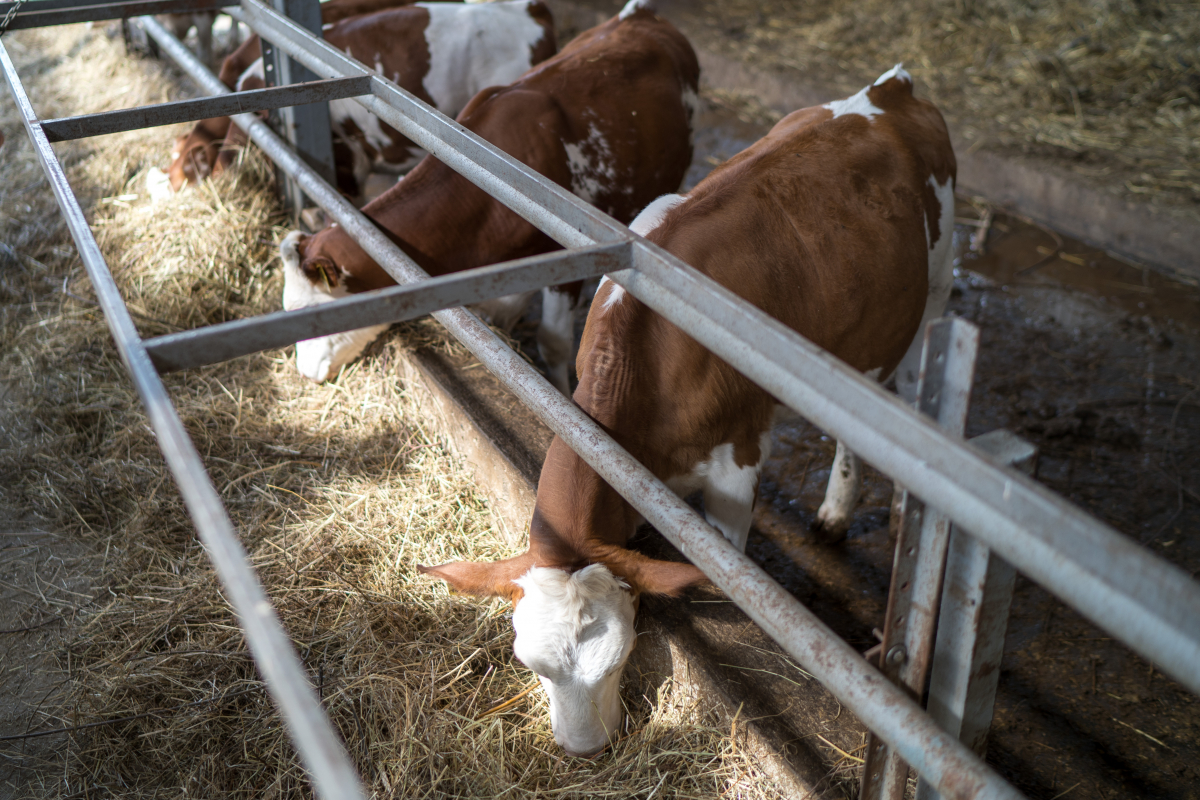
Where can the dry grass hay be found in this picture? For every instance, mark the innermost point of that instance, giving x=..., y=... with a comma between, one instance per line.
x=337, y=492
x=1110, y=86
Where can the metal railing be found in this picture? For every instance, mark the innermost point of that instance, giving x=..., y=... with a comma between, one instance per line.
x=1139, y=598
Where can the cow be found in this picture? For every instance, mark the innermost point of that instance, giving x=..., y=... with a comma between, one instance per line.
x=837, y=223
x=444, y=53
x=608, y=118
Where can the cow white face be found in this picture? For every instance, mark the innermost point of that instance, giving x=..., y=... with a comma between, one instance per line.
x=575, y=630
x=319, y=359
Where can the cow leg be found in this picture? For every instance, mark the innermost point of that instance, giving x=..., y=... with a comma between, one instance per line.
x=556, y=336
x=730, y=490
x=204, y=37
x=841, y=496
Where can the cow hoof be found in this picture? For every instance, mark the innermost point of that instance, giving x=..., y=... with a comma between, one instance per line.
x=832, y=525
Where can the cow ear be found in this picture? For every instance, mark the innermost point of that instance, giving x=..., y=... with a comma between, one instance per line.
x=650, y=576
x=320, y=269
x=490, y=579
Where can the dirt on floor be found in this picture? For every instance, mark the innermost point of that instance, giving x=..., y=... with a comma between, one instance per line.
x=1108, y=89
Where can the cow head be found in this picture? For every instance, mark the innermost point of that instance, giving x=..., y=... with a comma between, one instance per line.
x=575, y=631
x=192, y=158
x=310, y=279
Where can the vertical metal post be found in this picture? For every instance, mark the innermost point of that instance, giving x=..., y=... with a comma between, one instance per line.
x=306, y=128
x=943, y=392
x=976, y=598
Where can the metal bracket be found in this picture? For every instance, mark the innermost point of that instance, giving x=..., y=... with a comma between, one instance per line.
x=976, y=598
x=943, y=392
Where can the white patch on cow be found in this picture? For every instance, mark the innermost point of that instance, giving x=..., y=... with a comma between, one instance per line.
x=729, y=489
x=650, y=218
x=897, y=71
x=615, y=293
x=652, y=215
x=941, y=280
x=556, y=337
x=632, y=8
x=576, y=632
x=857, y=104
x=472, y=47
x=319, y=359
x=255, y=70
x=346, y=109
x=591, y=163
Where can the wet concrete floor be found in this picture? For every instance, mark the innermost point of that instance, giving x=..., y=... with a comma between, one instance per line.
x=1096, y=361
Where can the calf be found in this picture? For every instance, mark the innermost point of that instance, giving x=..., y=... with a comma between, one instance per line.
x=838, y=224
x=609, y=118
x=444, y=53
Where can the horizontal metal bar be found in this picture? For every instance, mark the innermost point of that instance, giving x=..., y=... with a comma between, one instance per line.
x=34, y=15
x=58, y=5
x=229, y=340
x=320, y=749
x=251, y=101
x=956, y=771
x=1150, y=604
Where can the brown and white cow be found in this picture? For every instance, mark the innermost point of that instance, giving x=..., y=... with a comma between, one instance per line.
x=609, y=118
x=838, y=223
x=444, y=53
x=204, y=151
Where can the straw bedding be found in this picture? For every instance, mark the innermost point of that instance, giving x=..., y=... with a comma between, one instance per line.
x=1110, y=88
x=337, y=492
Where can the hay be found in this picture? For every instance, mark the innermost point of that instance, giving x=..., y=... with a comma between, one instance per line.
x=337, y=492
x=1110, y=87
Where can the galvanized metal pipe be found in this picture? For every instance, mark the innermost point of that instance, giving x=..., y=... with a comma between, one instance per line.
x=43, y=13
x=883, y=707
x=320, y=750
x=244, y=102
x=227, y=340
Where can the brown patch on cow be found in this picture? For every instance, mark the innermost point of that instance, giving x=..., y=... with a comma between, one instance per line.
x=547, y=46
x=396, y=38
